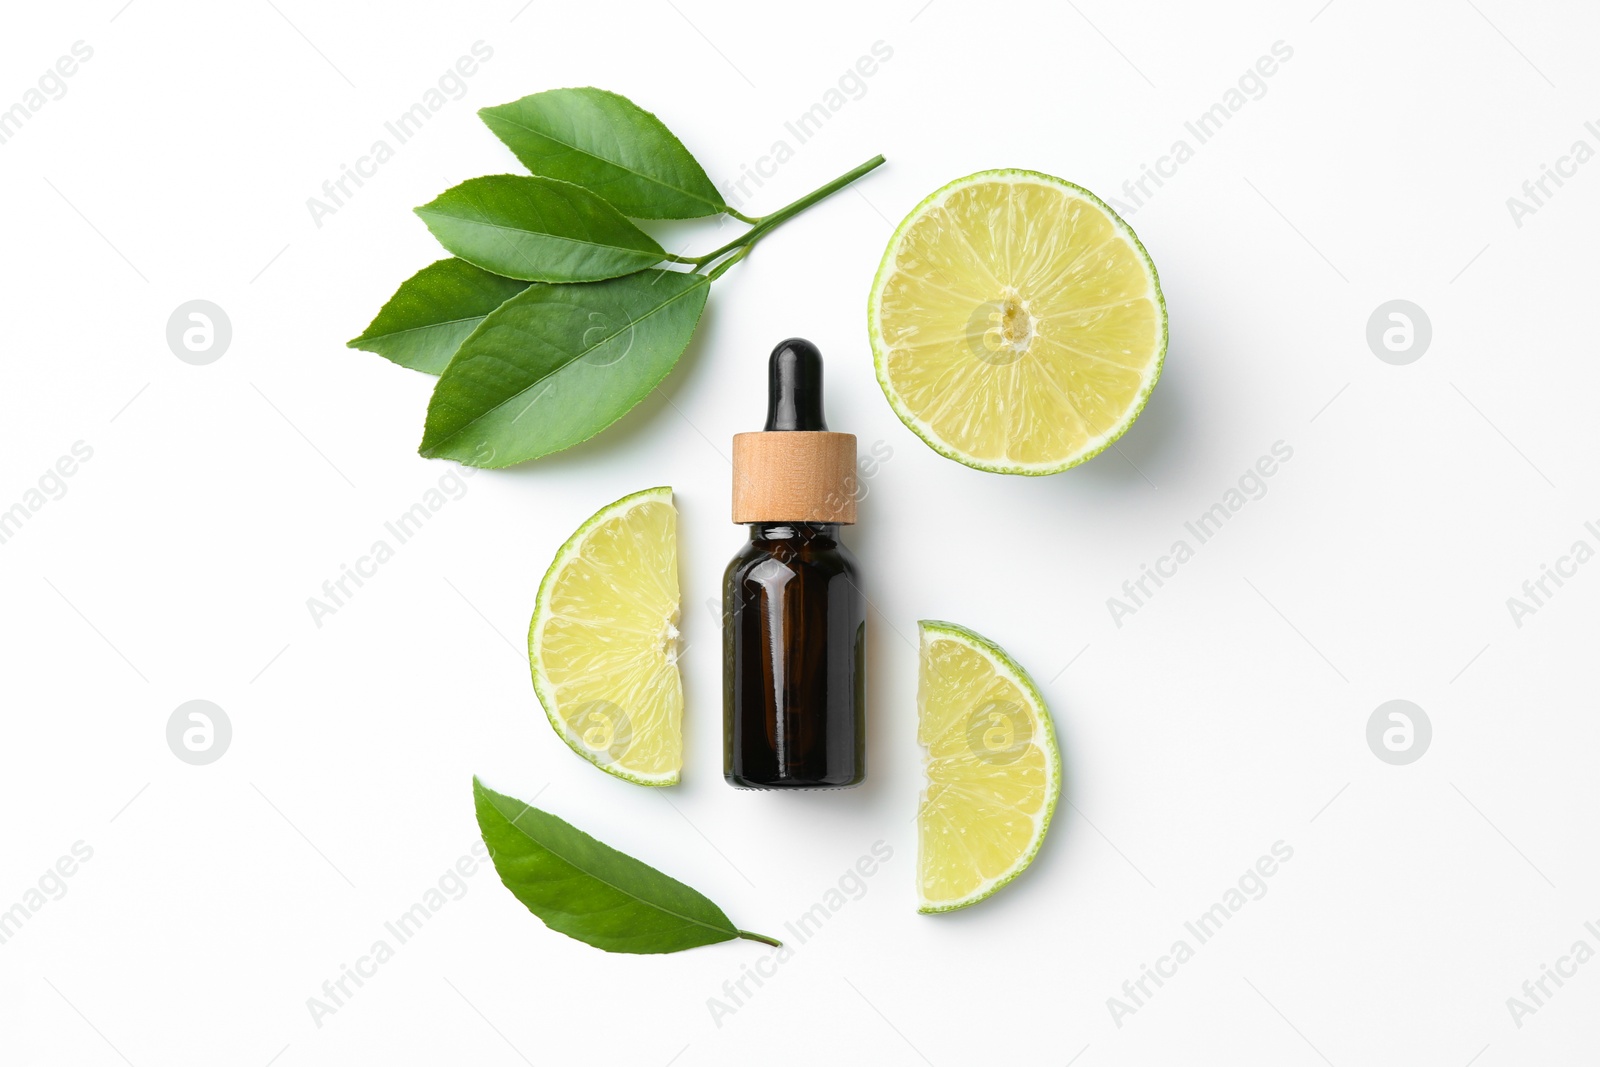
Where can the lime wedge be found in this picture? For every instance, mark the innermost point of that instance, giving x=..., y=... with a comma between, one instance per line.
x=993, y=771
x=603, y=643
x=1017, y=323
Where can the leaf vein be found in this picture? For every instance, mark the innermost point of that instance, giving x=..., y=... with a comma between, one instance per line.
x=611, y=162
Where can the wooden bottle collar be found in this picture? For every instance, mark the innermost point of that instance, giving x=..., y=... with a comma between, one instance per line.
x=794, y=476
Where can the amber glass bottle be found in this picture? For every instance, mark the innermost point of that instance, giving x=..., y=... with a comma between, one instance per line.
x=794, y=618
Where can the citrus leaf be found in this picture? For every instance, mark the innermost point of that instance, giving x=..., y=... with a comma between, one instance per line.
x=607, y=143
x=537, y=230
x=433, y=311
x=588, y=890
x=556, y=364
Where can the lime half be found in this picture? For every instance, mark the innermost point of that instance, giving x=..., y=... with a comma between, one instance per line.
x=993, y=771
x=1017, y=323
x=603, y=643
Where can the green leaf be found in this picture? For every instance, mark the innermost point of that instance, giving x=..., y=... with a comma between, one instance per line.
x=607, y=143
x=556, y=364
x=538, y=230
x=588, y=890
x=433, y=311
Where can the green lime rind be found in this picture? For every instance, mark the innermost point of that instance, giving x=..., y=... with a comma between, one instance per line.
x=880, y=354
x=1047, y=739
x=541, y=611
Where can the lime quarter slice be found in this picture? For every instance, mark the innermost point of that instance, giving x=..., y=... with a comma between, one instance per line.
x=993, y=773
x=603, y=643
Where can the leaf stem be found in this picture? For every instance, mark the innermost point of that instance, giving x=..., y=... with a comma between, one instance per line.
x=763, y=938
x=670, y=258
x=741, y=216
x=721, y=268
x=766, y=223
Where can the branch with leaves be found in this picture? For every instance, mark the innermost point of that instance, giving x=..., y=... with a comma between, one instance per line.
x=557, y=313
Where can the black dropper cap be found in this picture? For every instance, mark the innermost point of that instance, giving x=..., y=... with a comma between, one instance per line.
x=794, y=387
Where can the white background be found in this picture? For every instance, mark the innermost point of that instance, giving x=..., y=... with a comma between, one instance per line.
x=1229, y=713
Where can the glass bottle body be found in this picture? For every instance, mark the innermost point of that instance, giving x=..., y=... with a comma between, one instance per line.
x=794, y=631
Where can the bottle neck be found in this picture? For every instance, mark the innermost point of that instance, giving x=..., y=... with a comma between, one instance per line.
x=795, y=532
